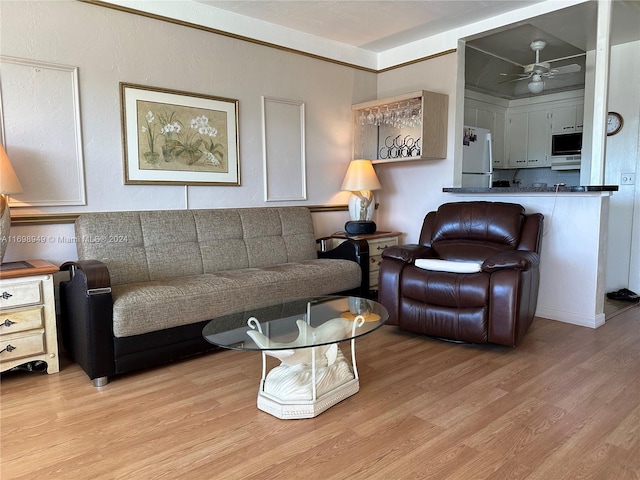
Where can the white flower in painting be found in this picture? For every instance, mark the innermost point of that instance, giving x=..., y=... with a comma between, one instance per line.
x=170, y=128
x=201, y=123
x=208, y=130
x=211, y=158
x=150, y=117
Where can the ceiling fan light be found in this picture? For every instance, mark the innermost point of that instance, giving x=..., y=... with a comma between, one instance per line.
x=536, y=85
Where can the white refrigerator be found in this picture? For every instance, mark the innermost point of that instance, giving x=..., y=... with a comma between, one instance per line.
x=477, y=158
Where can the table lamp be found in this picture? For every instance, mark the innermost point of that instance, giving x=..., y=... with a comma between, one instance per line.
x=9, y=184
x=360, y=180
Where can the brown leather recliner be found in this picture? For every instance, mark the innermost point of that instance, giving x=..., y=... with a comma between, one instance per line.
x=493, y=305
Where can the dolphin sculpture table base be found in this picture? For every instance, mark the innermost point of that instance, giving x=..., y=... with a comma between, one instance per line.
x=310, y=379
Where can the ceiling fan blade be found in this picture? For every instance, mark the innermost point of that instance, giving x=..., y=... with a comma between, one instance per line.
x=567, y=57
x=515, y=80
x=516, y=74
x=573, y=68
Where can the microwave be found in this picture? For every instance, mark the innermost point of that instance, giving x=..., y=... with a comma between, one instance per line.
x=564, y=144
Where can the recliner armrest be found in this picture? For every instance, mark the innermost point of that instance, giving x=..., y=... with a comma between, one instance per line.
x=408, y=253
x=511, y=259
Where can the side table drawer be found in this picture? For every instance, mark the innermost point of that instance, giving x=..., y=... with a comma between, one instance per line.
x=376, y=246
x=17, y=346
x=20, y=293
x=12, y=321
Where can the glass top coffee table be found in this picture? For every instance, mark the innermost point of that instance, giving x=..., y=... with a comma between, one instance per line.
x=304, y=335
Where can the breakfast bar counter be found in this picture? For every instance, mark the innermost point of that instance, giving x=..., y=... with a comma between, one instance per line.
x=528, y=190
x=573, y=246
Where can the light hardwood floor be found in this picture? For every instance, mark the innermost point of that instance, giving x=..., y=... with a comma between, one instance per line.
x=565, y=404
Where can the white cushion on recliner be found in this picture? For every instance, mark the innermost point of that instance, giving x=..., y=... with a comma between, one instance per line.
x=448, y=265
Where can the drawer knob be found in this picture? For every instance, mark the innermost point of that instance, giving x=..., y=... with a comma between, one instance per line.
x=6, y=323
x=8, y=348
x=6, y=295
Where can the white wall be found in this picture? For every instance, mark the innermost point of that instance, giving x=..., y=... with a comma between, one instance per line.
x=110, y=47
x=622, y=156
x=410, y=189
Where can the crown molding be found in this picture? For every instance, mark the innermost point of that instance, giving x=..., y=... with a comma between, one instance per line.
x=229, y=24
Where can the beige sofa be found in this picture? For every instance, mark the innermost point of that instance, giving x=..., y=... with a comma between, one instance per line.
x=146, y=283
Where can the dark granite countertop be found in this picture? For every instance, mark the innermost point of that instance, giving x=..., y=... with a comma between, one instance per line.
x=551, y=189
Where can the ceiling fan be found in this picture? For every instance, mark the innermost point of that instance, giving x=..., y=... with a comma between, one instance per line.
x=536, y=71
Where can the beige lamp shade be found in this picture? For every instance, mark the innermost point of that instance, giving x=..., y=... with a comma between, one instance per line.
x=361, y=180
x=9, y=182
x=360, y=176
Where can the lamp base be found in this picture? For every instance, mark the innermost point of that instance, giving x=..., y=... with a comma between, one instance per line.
x=5, y=225
x=360, y=227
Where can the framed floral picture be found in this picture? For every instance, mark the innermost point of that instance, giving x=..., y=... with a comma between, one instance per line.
x=178, y=138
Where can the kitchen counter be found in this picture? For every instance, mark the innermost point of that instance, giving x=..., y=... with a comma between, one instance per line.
x=526, y=190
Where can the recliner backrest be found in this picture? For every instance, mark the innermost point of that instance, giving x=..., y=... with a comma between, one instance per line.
x=473, y=231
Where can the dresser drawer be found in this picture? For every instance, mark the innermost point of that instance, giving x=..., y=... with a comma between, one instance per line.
x=377, y=246
x=374, y=263
x=16, y=294
x=16, y=346
x=12, y=321
x=375, y=251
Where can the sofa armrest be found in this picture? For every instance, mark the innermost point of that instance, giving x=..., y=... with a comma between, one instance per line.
x=511, y=259
x=87, y=317
x=408, y=253
x=354, y=250
x=95, y=272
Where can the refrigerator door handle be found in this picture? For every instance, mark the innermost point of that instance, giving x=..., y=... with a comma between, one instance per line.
x=490, y=142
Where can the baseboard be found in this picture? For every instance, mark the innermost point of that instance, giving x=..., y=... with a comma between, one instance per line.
x=594, y=321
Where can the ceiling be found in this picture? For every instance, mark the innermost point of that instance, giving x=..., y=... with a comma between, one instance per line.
x=371, y=25
x=379, y=34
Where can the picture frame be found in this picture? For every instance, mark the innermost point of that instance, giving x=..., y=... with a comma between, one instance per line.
x=284, y=158
x=171, y=137
x=34, y=96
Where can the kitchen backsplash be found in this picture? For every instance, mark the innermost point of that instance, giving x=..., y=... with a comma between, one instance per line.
x=529, y=176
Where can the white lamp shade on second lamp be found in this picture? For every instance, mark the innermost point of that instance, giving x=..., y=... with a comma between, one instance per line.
x=361, y=180
x=9, y=184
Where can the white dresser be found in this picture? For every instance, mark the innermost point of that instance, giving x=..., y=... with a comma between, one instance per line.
x=27, y=315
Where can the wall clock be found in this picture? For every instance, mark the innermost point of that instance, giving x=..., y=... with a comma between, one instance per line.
x=614, y=123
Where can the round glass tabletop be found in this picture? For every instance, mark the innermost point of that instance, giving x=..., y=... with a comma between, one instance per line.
x=298, y=323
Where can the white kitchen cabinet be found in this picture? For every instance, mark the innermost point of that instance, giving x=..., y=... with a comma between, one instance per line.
x=539, y=139
x=528, y=138
x=567, y=118
x=518, y=139
x=499, y=136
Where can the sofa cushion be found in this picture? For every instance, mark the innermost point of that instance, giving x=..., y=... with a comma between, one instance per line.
x=156, y=305
x=158, y=245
